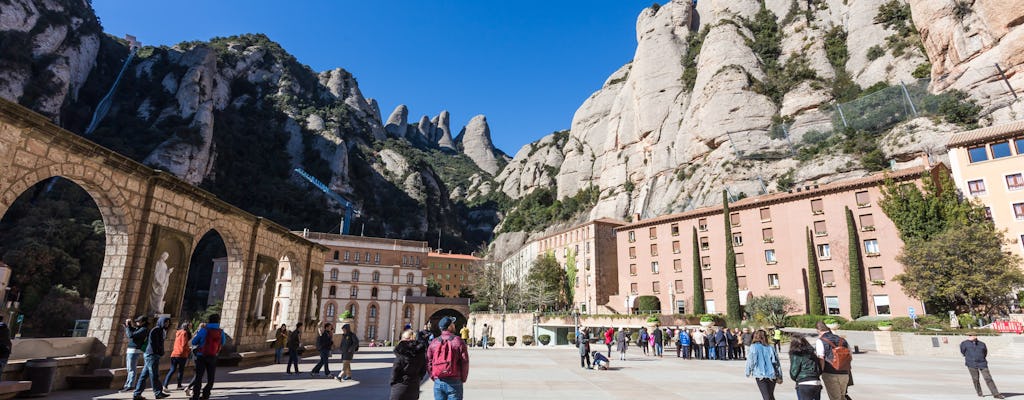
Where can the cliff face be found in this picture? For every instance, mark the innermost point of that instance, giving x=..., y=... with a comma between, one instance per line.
x=738, y=95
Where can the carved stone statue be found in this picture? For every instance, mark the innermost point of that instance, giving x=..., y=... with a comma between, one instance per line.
x=314, y=304
x=260, y=293
x=161, y=278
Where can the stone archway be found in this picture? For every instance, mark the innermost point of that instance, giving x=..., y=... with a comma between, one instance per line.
x=460, y=319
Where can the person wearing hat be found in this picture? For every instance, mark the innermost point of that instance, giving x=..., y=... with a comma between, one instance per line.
x=349, y=346
x=449, y=374
x=975, y=353
x=137, y=332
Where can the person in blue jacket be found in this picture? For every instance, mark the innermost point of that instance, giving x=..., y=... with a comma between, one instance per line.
x=207, y=343
x=683, y=341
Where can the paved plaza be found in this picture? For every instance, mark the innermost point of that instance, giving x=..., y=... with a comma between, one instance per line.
x=554, y=373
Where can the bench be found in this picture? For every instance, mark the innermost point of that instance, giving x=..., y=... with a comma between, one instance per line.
x=9, y=389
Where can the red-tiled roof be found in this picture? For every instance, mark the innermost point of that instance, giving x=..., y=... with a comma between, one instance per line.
x=982, y=135
x=452, y=255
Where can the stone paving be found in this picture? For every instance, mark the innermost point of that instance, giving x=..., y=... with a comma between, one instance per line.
x=554, y=373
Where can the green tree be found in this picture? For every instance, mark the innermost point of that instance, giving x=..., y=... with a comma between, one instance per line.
x=546, y=280
x=772, y=310
x=433, y=288
x=648, y=303
x=857, y=303
x=698, y=278
x=921, y=214
x=570, y=276
x=465, y=292
x=964, y=266
x=816, y=307
x=732, y=291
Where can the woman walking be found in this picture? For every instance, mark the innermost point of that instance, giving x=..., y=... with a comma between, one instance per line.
x=804, y=369
x=622, y=343
x=643, y=340
x=763, y=364
x=280, y=338
x=410, y=364
x=583, y=343
x=179, y=354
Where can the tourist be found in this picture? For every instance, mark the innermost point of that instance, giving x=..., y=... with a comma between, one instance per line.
x=748, y=339
x=658, y=337
x=484, y=337
x=763, y=364
x=804, y=368
x=324, y=344
x=449, y=374
x=583, y=344
x=5, y=345
x=464, y=333
x=777, y=339
x=136, y=331
x=348, y=347
x=179, y=354
x=207, y=343
x=643, y=342
x=294, y=348
x=736, y=348
x=683, y=344
x=722, y=344
x=698, y=344
x=711, y=344
x=608, y=335
x=151, y=362
x=975, y=357
x=280, y=338
x=622, y=342
x=600, y=361
x=410, y=364
x=836, y=380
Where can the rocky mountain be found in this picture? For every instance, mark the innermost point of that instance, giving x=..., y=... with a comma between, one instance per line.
x=235, y=115
x=746, y=95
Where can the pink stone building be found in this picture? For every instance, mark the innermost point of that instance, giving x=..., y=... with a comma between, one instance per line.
x=768, y=233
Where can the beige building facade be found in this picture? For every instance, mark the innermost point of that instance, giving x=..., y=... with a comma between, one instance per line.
x=591, y=250
x=655, y=256
x=451, y=271
x=988, y=167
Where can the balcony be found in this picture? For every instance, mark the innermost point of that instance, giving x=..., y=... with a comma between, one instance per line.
x=878, y=282
x=768, y=240
x=829, y=284
x=867, y=229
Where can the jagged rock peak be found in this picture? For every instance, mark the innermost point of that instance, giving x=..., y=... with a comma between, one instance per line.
x=397, y=122
x=475, y=140
x=443, y=131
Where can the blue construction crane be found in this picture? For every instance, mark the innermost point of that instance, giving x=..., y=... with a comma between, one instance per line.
x=346, y=221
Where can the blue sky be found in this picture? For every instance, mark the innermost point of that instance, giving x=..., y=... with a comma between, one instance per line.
x=526, y=64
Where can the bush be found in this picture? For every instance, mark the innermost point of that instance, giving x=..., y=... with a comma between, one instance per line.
x=859, y=325
x=633, y=337
x=510, y=340
x=966, y=320
x=875, y=52
x=571, y=337
x=923, y=70
x=527, y=340
x=830, y=321
x=345, y=315
x=648, y=303
x=545, y=339
x=810, y=321
x=654, y=319
x=884, y=323
x=707, y=318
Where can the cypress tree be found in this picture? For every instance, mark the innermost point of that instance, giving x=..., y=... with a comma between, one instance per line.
x=698, y=278
x=856, y=272
x=732, y=291
x=813, y=280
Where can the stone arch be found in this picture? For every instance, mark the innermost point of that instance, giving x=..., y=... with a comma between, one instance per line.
x=296, y=287
x=435, y=318
x=109, y=306
x=230, y=310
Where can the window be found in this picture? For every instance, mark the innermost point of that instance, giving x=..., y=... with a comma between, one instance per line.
x=353, y=292
x=828, y=278
x=654, y=267
x=632, y=269
x=773, y=281
x=817, y=206
x=708, y=286
x=677, y=265
x=373, y=311
x=863, y=199
x=875, y=274
x=702, y=224
x=824, y=252
x=656, y=287
x=709, y=306
x=1015, y=182
x=705, y=262
x=820, y=229
x=409, y=278
x=371, y=332
x=766, y=214
x=367, y=256
x=632, y=236
x=652, y=232
x=577, y=283
x=675, y=229
x=678, y=285
x=734, y=219
x=737, y=239
x=741, y=282
x=355, y=275
x=832, y=305
x=767, y=236
x=376, y=276
x=681, y=306
x=867, y=222
x=352, y=308
x=346, y=255
x=977, y=154
x=330, y=310
x=408, y=292
x=376, y=258
x=373, y=293
x=332, y=291
x=1018, y=211
x=741, y=260
x=632, y=252
x=704, y=243
x=654, y=249
x=676, y=247
x=334, y=274
x=279, y=288
x=871, y=247
x=882, y=304
x=769, y=256
x=976, y=187
x=336, y=254
x=358, y=257
x=407, y=313
x=1000, y=150
x=632, y=288
x=1019, y=144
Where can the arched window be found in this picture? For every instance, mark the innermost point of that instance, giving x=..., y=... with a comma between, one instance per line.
x=408, y=292
x=355, y=274
x=373, y=293
x=277, y=309
x=333, y=291
x=354, y=292
x=352, y=308
x=371, y=332
x=330, y=310
x=407, y=313
x=373, y=311
x=376, y=276
x=334, y=274
x=409, y=278
x=281, y=275
x=335, y=254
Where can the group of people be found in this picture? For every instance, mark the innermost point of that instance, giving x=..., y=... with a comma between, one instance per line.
x=826, y=364
x=698, y=343
x=148, y=343
x=444, y=359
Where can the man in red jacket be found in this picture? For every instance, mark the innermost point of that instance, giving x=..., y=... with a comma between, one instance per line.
x=448, y=362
